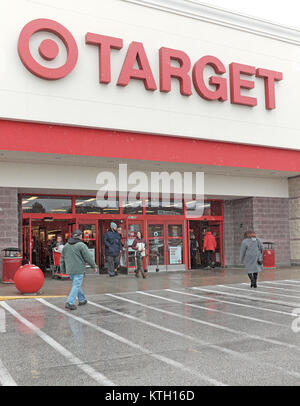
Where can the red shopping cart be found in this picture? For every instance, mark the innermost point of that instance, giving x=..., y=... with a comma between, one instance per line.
x=56, y=274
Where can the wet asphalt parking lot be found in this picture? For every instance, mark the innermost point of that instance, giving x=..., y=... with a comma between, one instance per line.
x=203, y=336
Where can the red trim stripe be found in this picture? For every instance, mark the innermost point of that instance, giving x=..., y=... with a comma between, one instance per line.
x=57, y=139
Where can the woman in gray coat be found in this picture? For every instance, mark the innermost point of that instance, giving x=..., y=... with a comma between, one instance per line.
x=251, y=254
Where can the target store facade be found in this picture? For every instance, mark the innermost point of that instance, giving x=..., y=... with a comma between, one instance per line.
x=161, y=86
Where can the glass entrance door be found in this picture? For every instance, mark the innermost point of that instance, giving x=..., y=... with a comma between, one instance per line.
x=165, y=242
x=90, y=238
x=216, y=228
x=195, y=236
x=156, y=247
x=26, y=241
x=175, y=256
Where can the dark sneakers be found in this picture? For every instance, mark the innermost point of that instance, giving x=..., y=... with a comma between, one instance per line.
x=73, y=307
x=70, y=306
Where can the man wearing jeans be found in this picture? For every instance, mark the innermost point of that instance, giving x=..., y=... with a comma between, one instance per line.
x=73, y=259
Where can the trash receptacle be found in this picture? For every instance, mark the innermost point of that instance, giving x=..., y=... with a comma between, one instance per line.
x=269, y=255
x=12, y=260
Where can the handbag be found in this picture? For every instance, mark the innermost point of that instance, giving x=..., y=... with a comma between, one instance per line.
x=259, y=259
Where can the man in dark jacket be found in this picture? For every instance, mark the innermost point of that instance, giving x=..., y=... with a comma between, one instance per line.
x=74, y=257
x=113, y=247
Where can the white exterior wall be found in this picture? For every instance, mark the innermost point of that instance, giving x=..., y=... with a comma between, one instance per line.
x=78, y=178
x=80, y=100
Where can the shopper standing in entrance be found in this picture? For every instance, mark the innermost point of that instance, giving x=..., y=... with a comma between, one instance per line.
x=58, y=244
x=209, y=246
x=251, y=254
x=194, y=248
x=139, y=245
x=74, y=257
x=113, y=248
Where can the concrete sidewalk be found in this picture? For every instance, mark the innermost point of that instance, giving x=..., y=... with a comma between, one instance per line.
x=97, y=284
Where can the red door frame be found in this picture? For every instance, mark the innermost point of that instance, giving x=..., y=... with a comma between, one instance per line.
x=165, y=222
x=145, y=218
x=96, y=222
x=218, y=219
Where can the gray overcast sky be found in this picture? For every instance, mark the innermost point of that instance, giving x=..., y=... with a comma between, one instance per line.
x=285, y=12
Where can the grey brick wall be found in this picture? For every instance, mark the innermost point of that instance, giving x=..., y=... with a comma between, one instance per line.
x=271, y=224
x=267, y=216
x=10, y=231
x=294, y=218
x=238, y=218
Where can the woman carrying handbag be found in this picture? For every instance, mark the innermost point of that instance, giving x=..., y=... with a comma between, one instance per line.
x=139, y=245
x=251, y=255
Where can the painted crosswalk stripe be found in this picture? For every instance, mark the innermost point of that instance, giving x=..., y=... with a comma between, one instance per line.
x=2, y=321
x=222, y=311
x=195, y=339
x=284, y=283
x=131, y=344
x=257, y=292
x=256, y=299
x=241, y=304
x=281, y=284
x=230, y=330
x=263, y=286
x=5, y=377
x=292, y=281
x=95, y=375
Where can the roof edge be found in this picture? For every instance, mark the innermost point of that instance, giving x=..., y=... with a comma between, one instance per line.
x=219, y=16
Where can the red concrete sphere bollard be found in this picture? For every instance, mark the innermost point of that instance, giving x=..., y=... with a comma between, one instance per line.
x=29, y=279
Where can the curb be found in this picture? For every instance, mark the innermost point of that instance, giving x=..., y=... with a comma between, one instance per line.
x=3, y=298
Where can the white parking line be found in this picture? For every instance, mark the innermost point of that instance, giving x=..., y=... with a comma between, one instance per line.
x=217, y=326
x=5, y=377
x=275, y=287
x=258, y=292
x=256, y=299
x=281, y=283
x=188, y=337
x=293, y=280
x=242, y=304
x=2, y=321
x=95, y=375
x=131, y=344
x=221, y=311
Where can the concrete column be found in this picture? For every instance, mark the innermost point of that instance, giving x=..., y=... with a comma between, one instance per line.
x=9, y=220
x=294, y=219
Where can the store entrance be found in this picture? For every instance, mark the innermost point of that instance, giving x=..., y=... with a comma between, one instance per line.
x=39, y=235
x=166, y=246
x=196, y=232
x=103, y=227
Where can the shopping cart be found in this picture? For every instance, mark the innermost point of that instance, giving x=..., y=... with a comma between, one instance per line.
x=56, y=274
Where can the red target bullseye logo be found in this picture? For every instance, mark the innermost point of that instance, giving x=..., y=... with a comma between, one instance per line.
x=48, y=49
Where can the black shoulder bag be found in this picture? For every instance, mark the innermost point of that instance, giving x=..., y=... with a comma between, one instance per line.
x=259, y=259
